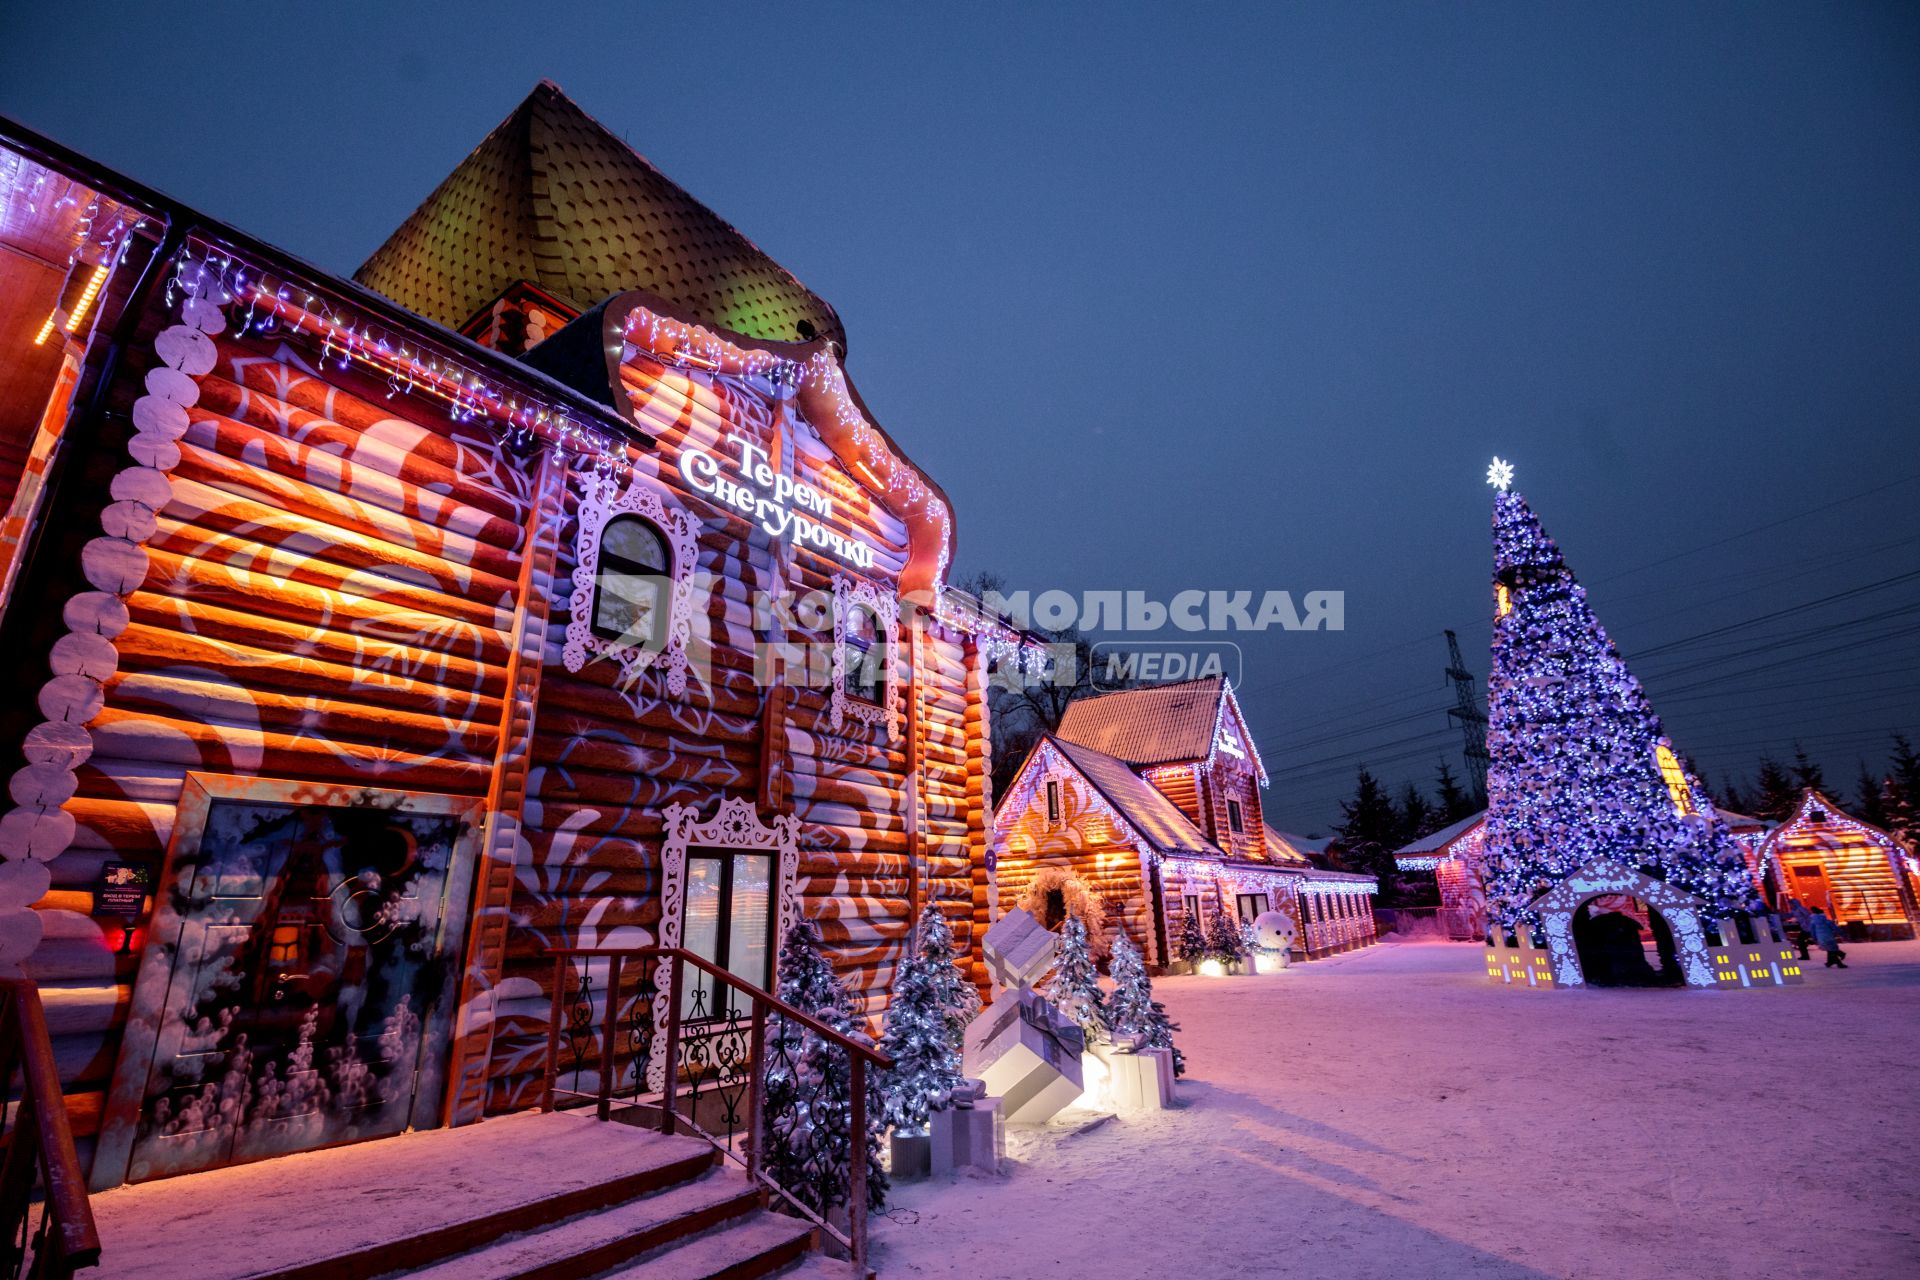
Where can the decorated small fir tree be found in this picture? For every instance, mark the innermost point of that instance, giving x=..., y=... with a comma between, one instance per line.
x=1579, y=765
x=809, y=1084
x=1131, y=1009
x=1192, y=945
x=1074, y=988
x=926, y=1027
x=1224, y=942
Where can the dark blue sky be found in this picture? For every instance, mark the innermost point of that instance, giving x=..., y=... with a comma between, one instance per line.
x=1192, y=296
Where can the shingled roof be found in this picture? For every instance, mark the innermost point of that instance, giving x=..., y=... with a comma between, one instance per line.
x=1155, y=725
x=1157, y=819
x=553, y=197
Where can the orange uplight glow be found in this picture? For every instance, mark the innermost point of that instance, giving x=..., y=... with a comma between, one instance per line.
x=87, y=295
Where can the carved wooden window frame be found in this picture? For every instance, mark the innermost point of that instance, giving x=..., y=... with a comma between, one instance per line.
x=857, y=593
x=600, y=502
x=736, y=826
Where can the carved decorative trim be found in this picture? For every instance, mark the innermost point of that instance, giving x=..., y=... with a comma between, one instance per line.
x=858, y=593
x=1603, y=877
x=600, y=502
x=734, y=825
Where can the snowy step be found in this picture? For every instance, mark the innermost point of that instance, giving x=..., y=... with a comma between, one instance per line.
x=372, y=1208
x=758, y=1245
x=593, y=1242
x=817, y=1266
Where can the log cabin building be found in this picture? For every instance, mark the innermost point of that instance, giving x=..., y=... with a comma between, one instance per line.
x=1855, y=872
x=1144, y=808
x=546, y=584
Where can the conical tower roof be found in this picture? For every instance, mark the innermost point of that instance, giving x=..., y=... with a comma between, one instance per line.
x=553, y=198
x=1580, y=767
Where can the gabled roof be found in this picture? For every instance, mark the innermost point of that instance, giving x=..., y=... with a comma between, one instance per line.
x=1835, y=828
x=1160, y=724
x=1437, y=841
x=1157, y=819
x=553, y=197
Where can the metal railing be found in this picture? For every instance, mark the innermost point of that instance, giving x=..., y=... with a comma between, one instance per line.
x=36, y=1150
x=697, y=1052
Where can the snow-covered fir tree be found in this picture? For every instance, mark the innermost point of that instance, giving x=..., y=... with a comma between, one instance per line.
x=809, y=1084
x=1580, y=767
x=1074, y=988
x=1192, y=944
x=1225, y=942
x=926, y=1027
x=1131, y=1009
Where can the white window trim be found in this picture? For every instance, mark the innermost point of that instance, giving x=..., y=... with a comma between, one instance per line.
x=599, y=504
x=858, y=593
x=735, y=825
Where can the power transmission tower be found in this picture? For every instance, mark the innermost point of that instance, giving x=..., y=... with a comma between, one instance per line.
x=1473, y=721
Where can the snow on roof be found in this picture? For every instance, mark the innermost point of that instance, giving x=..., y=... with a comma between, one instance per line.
x=1741, y=821
x=1437, y=841
x=1159, y=822
x=553, y=197
x=1160, y=724
x=1289, y=849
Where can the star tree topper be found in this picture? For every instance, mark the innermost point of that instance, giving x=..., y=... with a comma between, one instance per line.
x=1500, y=474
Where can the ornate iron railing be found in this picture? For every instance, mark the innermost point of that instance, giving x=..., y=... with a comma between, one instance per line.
x=699, y=1051
x=55, y=1236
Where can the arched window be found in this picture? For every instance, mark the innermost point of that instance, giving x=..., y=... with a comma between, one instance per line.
x=866, y=660
x=632, y=583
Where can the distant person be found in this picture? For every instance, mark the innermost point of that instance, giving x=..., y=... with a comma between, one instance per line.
x=1799, y=927
x=1827, y=934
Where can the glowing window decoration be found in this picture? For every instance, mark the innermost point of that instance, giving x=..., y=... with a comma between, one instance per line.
x=866, y=667
x=631, y=582
x=605, y=609
x=1676, y=779
x=866, y=630
x=1502, y=600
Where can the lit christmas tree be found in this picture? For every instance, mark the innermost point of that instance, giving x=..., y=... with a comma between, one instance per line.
x=926, y=1027
x=1192, y=945
x=809, y=1084
x=1580, y=768
x=1131, y=1009
x=1074, y=988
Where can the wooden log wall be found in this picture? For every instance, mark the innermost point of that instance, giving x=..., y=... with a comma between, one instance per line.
x=300, y=579
x=308, y=576
x=888, y=822
x=1085, y=845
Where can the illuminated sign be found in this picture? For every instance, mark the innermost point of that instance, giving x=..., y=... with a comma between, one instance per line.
x=778, y=503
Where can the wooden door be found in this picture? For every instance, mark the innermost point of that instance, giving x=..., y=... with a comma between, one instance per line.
x=1807, y=882
x=312, y=960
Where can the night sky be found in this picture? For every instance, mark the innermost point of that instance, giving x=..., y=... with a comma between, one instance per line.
x=1173, y=297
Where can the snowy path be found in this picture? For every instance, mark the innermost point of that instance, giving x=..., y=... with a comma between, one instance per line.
x=1390, y=1113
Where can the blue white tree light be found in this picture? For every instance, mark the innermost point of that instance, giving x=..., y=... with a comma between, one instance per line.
x=1576, y=750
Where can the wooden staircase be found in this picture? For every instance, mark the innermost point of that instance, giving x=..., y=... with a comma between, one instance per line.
x=534, y=1197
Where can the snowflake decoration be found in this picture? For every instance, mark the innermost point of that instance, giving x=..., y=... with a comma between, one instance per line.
x=1500, y=474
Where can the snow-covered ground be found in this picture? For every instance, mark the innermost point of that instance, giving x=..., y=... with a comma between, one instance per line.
x=1390, y=1113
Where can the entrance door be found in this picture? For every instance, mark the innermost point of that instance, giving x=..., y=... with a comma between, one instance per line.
x=1810, y=886
x=310, y=967
x=728, y=919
